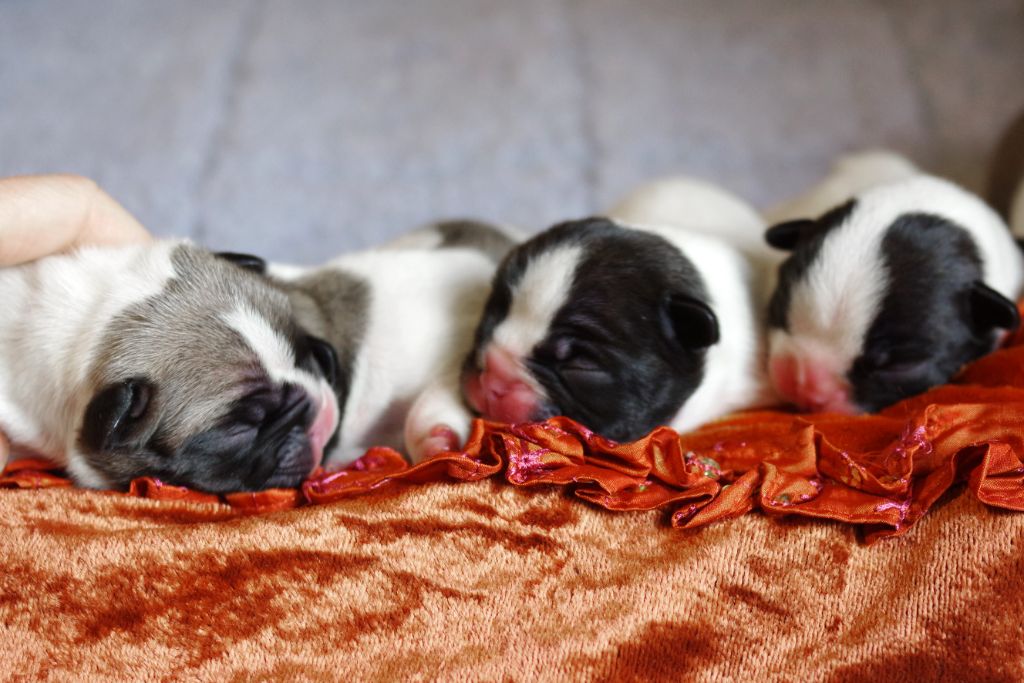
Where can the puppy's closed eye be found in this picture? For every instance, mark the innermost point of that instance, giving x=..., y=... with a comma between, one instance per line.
x=326, y=358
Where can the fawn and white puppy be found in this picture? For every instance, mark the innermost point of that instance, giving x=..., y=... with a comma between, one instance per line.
x=168, y=361
x=894, y=280
x=161, y=360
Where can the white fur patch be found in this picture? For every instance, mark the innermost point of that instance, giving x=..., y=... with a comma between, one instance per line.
x=422, y=310
x=695, y=206
x=540, y=293
x=85, y=475
x=440, y=404
x=274, y=352
x=840, y=295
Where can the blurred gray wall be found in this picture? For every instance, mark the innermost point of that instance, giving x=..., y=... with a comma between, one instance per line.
x=300, y=128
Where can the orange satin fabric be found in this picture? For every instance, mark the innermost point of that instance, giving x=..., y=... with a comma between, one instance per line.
x=881, y=471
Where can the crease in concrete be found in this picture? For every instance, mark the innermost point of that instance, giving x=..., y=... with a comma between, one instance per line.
x=235, y=74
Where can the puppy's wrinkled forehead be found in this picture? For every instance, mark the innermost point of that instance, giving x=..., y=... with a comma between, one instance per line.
x=215, y=332
x=581, y=269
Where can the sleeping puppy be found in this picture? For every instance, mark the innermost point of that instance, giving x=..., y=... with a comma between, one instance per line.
x=888, y=294
x=198, y=369
x=161, y=360
x=401, y=319
x=621, y=328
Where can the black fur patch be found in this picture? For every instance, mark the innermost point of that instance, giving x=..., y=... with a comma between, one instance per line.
x=261, y=443
x=246, y=261
x=925, y=330
x=614, y=358
x=114, y=415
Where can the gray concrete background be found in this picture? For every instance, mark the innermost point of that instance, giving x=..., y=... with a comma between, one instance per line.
x=300, y=128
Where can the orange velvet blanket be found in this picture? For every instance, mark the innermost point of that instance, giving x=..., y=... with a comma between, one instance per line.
x=513, y=576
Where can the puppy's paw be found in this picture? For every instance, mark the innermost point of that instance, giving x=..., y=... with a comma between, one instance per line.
x=440, y=439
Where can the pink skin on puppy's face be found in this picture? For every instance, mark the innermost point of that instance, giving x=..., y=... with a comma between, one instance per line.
x=499, y=391
x=810, y=385
x=324, y=424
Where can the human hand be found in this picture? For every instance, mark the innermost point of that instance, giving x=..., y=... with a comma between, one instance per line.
x=42, y=215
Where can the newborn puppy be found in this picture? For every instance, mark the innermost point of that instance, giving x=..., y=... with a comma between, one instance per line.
x=161, y=360
x=621, y=328
x=889, y=294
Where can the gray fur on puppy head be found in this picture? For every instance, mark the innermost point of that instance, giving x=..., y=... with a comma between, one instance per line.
x=210, y=383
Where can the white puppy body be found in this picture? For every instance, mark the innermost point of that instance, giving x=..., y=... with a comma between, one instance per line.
x=417, y=325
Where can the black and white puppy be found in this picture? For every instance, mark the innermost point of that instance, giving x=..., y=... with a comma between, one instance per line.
x=621, y=328
x=889, y=293
x=161, y=360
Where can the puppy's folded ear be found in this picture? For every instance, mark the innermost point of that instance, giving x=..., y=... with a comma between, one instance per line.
x=689, y=321
x=116, y=416
x=247, y=261
x=990, y=309
x=326, y=358
x=787, y=235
